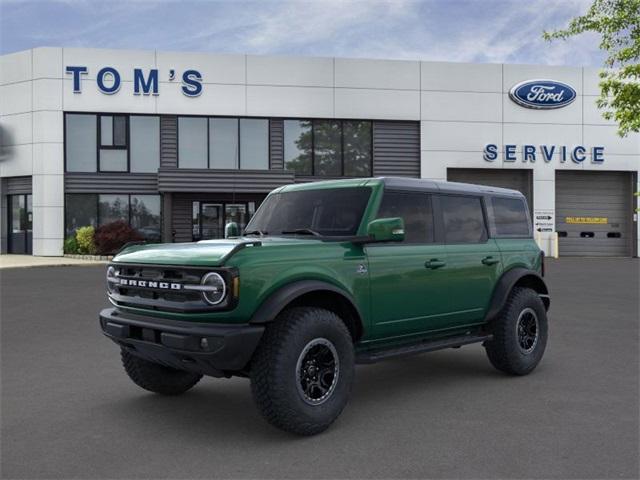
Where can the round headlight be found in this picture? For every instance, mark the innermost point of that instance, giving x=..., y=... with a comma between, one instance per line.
x=111, y=279
x=214, y=289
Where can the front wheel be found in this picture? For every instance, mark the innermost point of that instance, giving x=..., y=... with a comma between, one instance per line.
x=302, y=371
x=520, y=333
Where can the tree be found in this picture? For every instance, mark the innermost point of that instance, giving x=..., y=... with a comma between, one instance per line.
x=618, y=23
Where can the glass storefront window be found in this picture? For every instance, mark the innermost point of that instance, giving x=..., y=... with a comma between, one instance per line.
x=144, y=143
x=81, y=210
x=357, y=148
x=254, y=144
x=80, y=142
x=113, y=160
x=223, y=142
x=145, y=216
x=297, y=146
x=192, y=142
x=112, y=208
x=327, y=141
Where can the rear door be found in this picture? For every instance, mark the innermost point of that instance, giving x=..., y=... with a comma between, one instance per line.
x=408, y=295
x=473, y=259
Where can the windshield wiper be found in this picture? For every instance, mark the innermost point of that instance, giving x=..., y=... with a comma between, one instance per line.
x=255, y=232
x=303, y=231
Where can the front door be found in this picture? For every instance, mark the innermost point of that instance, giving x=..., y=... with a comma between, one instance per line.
x=408, y=292
x=20, y=223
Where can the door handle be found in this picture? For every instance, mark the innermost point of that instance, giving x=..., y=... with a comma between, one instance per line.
x=490, y=260
x=434, y=263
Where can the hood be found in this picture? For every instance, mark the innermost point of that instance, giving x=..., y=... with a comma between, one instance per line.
x=212, y=253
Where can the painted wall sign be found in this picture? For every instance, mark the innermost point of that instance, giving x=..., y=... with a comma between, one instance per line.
x=542, y=94
x=109, y=81
x=544, y=220
x=545, y=153
x=587, y=220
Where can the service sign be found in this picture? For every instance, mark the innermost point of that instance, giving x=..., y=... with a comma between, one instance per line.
x=542, y=94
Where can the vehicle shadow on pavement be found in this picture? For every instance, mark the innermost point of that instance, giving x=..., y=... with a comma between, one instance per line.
x=222, y=408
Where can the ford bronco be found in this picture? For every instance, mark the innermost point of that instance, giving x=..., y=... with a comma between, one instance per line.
x=327, y=275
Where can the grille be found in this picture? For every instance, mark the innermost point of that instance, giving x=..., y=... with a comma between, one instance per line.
x=159, y=287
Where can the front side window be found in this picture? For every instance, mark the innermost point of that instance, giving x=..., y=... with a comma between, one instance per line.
x=510, y=217
x=327, y=212
x=80, y=142
x=416, y=211
x=463, y=219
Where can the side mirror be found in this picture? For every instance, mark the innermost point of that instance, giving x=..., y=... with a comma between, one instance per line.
x=386, y=230
x=231, y=230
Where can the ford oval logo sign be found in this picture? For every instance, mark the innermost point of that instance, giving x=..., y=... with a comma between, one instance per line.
x=542, y=94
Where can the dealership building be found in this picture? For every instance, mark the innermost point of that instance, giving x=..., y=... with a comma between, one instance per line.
x=180, y=144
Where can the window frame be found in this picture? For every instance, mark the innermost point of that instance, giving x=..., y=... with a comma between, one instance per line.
x=341, y=121
x=234, y=117
x=100, y=147
x=98, y=116
x=483, y=208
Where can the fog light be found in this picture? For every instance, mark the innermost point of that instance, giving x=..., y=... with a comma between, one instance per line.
x=204, y=344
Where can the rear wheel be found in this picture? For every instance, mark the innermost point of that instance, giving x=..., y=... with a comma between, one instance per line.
x=157, y=378
x=519, y=333
x=302, y=371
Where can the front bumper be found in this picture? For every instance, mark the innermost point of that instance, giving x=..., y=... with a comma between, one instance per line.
x=209, y=349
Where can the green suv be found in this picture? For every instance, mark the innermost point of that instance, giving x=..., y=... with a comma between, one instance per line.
x=327, y=275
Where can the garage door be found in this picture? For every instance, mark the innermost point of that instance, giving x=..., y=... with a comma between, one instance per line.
x=519, y=179
x=593, y=213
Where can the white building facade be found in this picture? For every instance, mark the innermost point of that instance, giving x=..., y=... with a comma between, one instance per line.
x=176, y=143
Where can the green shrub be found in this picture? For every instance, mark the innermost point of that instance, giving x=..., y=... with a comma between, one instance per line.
x=71, y=245
x=84, y=237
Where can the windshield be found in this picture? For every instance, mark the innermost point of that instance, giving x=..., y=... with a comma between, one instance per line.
x=325, y=212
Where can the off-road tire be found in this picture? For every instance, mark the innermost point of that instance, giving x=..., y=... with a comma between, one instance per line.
x=157, y=378
x=504, y=350
x=275, y=376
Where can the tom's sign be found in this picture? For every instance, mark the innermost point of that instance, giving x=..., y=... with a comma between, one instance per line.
x=542, y=94
x=108, y=80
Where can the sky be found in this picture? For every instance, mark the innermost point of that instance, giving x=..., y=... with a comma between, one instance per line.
x=486, y=31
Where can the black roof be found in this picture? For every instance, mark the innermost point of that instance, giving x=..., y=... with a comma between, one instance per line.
x=404, y=183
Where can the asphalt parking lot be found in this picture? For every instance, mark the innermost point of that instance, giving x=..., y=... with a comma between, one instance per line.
x=69, y=411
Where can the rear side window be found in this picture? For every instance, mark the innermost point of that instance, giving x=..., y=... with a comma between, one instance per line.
x=510, y=217
x=463, y=219
x=415, y=209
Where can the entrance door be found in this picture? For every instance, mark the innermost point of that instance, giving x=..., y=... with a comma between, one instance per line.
x=20, y=223
x=211, y=225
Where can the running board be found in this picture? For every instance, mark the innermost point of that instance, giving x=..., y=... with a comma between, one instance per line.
x=373, y=356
